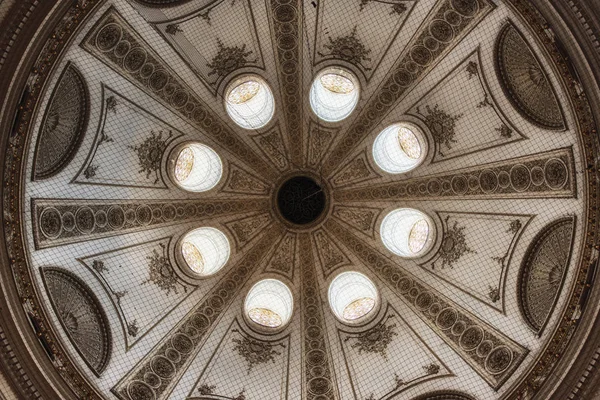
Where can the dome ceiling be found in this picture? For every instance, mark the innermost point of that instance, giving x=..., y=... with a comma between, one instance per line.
x=238, y=199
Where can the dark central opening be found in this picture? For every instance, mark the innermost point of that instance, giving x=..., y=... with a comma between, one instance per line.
x=301, y=200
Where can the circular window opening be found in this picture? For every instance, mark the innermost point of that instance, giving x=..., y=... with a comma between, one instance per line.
x=353, y=297
x=301, y=200
x=205, y=251
x=249, y=102
x=334, y=94
x=408, y=232
x=196, y=167
x=269, y=304
x=400, y=148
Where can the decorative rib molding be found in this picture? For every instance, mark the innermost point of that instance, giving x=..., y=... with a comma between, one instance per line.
x=318, y=378
x=115, y=43
x=157, y=374
x=543, y=175
x=286, y=26
x=491, y=354
x=434, y=39
x=62, y=221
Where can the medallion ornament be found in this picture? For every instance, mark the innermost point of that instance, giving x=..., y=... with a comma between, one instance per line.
x=255, y=351
x=348, y=48
x=441, y=125
x=376, y=339
x=150, y=154
x=454, y=245
x=228, y=59
x=161, y=272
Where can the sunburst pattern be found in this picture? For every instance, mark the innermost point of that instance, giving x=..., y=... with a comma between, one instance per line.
x=227, y=232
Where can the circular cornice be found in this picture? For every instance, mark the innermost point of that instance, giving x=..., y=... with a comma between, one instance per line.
x=162, y=3
x=539, y=375
x=29, y=357
x=575, y=25
x=34, y=357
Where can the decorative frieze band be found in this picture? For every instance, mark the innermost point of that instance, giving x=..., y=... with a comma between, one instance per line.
x=545, y=175
x=61, y=221
x=318, y=379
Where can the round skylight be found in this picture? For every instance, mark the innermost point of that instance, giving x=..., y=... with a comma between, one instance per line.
x=205, y=251
x=353, y=297
x=249, y=102
x=269, y=304
x=334, y=94
x=196, y=167
x=407, y=232
x=399, y=148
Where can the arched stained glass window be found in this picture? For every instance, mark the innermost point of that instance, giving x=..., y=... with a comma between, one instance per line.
x=269, y=304
x=407, y=232
x=399, y=148
x=353, y=297
x=196, y=167
x=205, y=251
x=334, y=94
x=249, y=102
